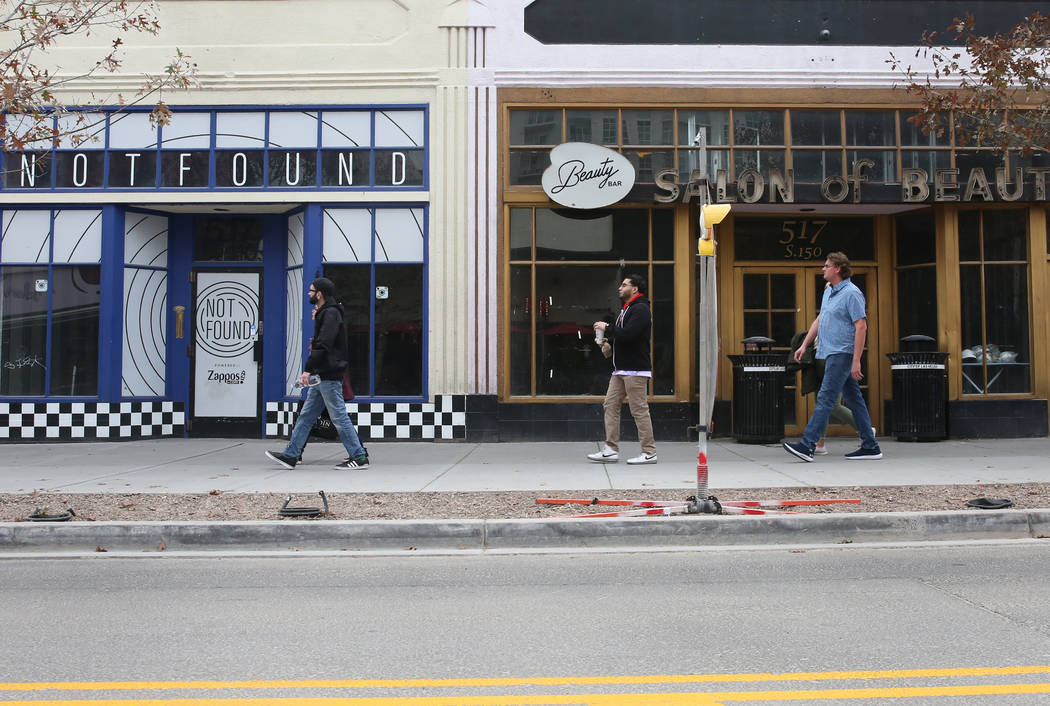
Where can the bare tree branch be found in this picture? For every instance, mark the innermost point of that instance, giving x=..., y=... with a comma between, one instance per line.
x=29, y=91
x=993, y=92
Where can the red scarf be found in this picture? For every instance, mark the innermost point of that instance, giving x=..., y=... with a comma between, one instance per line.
x=619, y=319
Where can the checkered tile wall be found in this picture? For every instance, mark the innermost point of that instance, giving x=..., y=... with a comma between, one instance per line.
x=42, y=421
x=444, y=418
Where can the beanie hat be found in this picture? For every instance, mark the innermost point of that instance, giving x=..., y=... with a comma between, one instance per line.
x=324, y=286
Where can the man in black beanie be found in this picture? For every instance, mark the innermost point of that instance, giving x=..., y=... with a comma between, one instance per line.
x=328, y=360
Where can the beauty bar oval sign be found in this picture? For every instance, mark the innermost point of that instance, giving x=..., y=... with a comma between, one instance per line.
x=582, y=175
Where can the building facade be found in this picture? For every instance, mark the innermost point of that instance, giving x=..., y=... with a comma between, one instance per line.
x=154, y=280
x=795, y=122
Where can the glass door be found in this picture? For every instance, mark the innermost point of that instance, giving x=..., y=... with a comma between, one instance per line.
x=778, y=303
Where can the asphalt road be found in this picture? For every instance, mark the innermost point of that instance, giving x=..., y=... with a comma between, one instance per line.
x=965, y=624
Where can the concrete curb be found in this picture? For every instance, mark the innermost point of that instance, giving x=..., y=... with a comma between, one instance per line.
x=534, y=534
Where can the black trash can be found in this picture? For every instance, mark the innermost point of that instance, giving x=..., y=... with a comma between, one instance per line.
x=758, y=396
x=920, y=393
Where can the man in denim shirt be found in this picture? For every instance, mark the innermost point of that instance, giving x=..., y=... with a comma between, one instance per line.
x=840, y=330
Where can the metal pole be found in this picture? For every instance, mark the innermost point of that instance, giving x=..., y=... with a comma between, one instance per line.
x=707, y=353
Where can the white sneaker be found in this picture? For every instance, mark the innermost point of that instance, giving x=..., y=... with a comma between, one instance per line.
x=606, y=455
x=644, y=458
x=820, y=450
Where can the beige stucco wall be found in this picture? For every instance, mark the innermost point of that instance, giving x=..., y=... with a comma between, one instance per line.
x=274, y=52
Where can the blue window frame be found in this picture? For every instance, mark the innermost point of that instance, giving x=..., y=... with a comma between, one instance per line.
x=251, y=148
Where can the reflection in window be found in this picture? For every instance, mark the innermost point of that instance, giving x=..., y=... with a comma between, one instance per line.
x=762, y=160
x=581, y=258
x=526, y=166
x=870, y=128
x=25, y=338
x=758, y=127
x=595, y=126
x=815, y=127
x=535, y=127
x=648, y=127
x=928, y=160
x=714, y=124
x=912, y=135
x=814, y=166
x=916, y=275
x=885, y=164
x=385, y=332
x=648, y=163
x=993, y=282
x=49, y=304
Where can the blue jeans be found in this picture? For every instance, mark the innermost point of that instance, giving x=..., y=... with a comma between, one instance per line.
x=837, y=380
x=327, y=393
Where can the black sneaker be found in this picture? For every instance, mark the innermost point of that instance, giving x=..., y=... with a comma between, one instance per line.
x=863, y=454
x=283, y=459
x=352, y=464
x=800, y=450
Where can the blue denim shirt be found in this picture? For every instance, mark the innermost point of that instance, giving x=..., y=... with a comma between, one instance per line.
x=841, y=306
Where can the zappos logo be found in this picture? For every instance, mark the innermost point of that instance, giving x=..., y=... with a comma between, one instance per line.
x=226, y=315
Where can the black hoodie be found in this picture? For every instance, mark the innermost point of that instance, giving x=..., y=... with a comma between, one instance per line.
x=630, y=338
x=328, y=349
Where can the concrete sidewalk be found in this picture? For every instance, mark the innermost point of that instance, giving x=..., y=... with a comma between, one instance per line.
x=237, y=465
x=233, y=465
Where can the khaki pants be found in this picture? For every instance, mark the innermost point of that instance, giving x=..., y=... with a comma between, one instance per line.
x=634, y=389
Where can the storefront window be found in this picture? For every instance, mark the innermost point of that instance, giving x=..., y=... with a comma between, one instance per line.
x=815, y=127
x=535, y=127
x=928, y=160
x=870, y=128
x=912, y=135
x=49, y=312
x=714, y=124
x=916, y=275
x=758, y=127
x=762, y=160
x=580, y=259
x=885, y=164
x=595, y=126
x=376, y=258
x=648, y=127
x=814, y=166
x=993, y=280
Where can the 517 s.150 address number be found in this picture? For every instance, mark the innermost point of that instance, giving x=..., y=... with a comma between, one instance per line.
x=800, y=239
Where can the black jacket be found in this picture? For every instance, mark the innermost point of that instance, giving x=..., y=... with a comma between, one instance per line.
x=328, y=349
x=630, y=339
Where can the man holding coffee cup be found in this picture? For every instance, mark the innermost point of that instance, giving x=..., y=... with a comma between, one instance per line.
x=627, y=340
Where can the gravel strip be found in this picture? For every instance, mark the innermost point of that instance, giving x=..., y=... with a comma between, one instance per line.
x=220, y=506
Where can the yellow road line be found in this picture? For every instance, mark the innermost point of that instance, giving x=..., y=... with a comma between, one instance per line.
x=664, y=699
x=525, y=681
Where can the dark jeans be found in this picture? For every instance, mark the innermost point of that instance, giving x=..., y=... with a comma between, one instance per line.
x=837, y=380
x=327, y=393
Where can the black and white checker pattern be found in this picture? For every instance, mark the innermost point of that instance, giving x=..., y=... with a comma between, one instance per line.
x=42, y=421
x=444, y=418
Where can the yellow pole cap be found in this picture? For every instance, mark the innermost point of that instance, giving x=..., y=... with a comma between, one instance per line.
x=715, y=213
x=705, y=247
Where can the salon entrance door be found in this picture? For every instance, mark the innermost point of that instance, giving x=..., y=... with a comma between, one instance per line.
x=776, y=302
